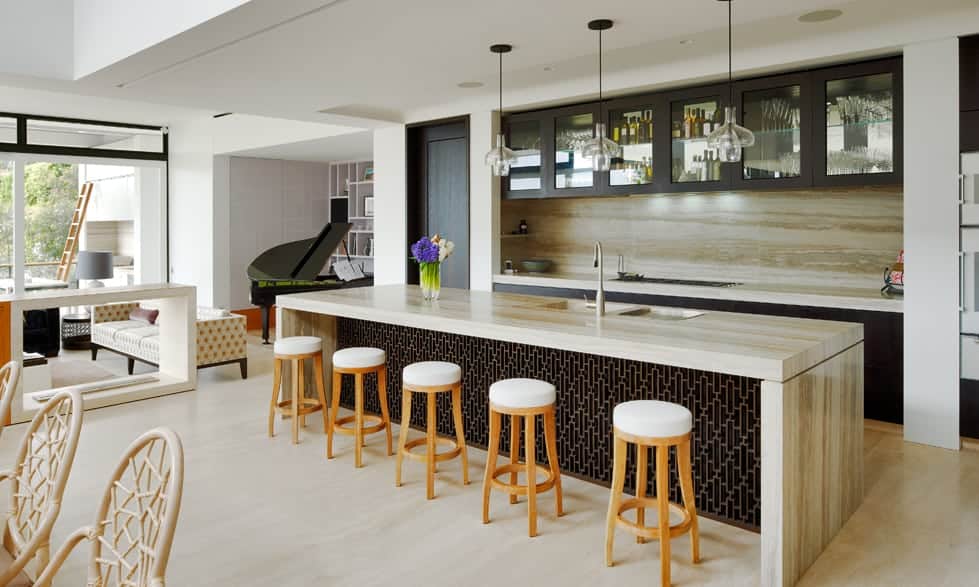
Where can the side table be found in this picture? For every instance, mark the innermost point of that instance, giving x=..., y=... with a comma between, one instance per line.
x=76, y=332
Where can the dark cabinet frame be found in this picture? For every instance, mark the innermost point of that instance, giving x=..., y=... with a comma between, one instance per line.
x=804, y=81
x=812, y=135
x=820, y=77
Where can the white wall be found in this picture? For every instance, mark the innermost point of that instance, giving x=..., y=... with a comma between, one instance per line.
x=192, y=207
x=221, y=225
x=36, y=38
x=106, y=31
x=484, y=203
x=390, y=206
x=931, y=218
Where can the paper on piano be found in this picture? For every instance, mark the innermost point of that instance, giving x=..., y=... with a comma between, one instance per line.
x=347, y=271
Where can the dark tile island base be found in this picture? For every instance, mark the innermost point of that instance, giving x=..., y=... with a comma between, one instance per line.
x=726, y=408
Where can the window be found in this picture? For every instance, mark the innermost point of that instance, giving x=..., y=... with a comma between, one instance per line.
x=93, y=136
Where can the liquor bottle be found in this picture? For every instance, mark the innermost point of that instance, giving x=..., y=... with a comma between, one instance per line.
x=700, y=122
x=717, y=118
x=649, y=169
x=649, y=125
x=708, y=124
x=640, y=131
x=676, y=130
x=624, y=134
x=687, y=124
x=717, y=166
x=616, y=135
x=634, y=130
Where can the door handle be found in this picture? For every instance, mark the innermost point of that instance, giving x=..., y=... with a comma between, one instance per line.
x=962, y=307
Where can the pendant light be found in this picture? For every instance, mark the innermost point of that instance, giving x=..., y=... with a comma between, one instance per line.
x=500, y=158
x=730, y=138
x=601, y=149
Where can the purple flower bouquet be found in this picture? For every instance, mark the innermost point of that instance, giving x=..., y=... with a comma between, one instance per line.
x=429, y=254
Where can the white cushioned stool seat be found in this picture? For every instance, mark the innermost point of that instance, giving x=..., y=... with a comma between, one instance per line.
x=359, y=357
x=522, y=393
x=431, y=373
x=298, y=345
x=652, y=418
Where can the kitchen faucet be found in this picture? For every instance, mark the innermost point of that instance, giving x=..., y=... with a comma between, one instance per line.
x=600, y=292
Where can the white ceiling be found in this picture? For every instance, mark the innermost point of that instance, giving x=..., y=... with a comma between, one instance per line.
x=400, y=60
x=357, y=146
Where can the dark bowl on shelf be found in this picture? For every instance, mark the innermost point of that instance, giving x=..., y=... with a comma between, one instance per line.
x=536, y=265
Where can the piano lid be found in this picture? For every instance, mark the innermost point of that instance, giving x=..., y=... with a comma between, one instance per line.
x=299, y=260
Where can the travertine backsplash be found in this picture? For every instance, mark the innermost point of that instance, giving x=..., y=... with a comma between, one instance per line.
x=842, y=237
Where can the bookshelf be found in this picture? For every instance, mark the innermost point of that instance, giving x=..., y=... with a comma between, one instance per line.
x=347, y=182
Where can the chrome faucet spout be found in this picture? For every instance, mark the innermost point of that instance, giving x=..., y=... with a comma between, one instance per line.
x=599, y=262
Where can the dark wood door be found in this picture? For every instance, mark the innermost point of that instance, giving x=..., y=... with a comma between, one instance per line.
x=439, y=202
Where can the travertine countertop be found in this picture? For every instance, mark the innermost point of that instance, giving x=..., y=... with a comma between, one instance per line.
x=823, y=296
x=762, y=347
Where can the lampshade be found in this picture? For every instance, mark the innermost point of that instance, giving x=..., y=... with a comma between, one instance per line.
x=730, y=138
x=94, y=265
x=500, y=158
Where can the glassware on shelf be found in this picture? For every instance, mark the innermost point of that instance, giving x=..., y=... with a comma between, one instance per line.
x=691, y=159
x=572, y=169
x=633, y=130
x=775, y=116
x=525, y=140
x=859, y=125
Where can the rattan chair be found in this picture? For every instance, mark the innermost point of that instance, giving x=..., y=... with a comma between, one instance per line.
x=37, y=484
x=9, y=377
x=134, y=527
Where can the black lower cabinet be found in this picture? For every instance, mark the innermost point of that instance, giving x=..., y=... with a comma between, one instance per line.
x=883, y=338
x=969, y=408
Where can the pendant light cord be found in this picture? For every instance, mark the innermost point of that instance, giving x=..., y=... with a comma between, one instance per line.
x=501, y=86
x=730, y=51
x=601, y=104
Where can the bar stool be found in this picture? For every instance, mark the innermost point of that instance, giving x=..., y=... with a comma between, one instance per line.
x=358, y=361
x=432, y=378
x=297, y=350
x=661, y=425
x=522, y=398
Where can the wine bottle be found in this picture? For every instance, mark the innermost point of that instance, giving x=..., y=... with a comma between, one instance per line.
x=687, y=124
x=616, y=134
x=625, y=131
x=649, y=125
x=634, y=130
x=717, y=166
x=676, y=130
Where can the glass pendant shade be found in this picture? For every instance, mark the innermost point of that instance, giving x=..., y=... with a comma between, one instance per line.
x=729, y=139
x=601, y=149
x=500, y=158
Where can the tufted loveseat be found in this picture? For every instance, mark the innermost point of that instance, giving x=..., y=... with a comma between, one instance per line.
x=220, y=337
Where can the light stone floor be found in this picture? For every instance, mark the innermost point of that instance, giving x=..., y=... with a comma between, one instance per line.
x=266, y=513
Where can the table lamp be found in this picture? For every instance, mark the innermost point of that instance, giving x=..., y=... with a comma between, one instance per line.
x=93, y=266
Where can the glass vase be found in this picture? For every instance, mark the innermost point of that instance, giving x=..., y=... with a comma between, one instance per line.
x=431, y=280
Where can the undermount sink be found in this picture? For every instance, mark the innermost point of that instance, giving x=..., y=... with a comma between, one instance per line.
x=620, y=309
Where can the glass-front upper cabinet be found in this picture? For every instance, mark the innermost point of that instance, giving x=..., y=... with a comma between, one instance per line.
x=572, y=131
x=691, y=121
x=525, y=139
x=778, y=111
x=860, y=124
x=632, y=129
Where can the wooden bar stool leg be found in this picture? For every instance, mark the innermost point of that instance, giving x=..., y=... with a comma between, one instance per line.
x=321, y=388
x=514, y=450
x=295, y=402
x=276, y=385
x=550, y=438
x=686, y=486
x=301, y=374
x=382, y=396
x=460, y=433
x=530, y=453
x=615, y=496
x=494, y=449
x=430, y=446
x=358, y=419
x=403, y=433
x=335, y=401
x=642, y=477
x=663, y=501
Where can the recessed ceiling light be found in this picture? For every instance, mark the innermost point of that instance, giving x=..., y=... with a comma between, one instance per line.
x=548, y=68
x=686, y=42
x=470, y=85
x=820, y=15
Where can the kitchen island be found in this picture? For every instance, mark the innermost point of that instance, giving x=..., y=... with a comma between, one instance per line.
x=777, y=402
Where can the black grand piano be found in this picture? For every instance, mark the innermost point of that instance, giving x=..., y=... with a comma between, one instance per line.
x=294, y=267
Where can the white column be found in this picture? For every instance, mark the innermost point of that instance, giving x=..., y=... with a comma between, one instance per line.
x=484, y=203
x=390, y=206
x=931, y=219
x=19, y=226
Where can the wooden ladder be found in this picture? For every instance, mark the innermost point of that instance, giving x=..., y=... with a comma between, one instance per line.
x=71, y=243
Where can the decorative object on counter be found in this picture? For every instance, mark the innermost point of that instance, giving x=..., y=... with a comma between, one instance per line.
x=429, y=254
x=894, y=277
x=536, y=265
x=500, y=158
x=600, y=148
x=523, y=227
x=730, y=138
